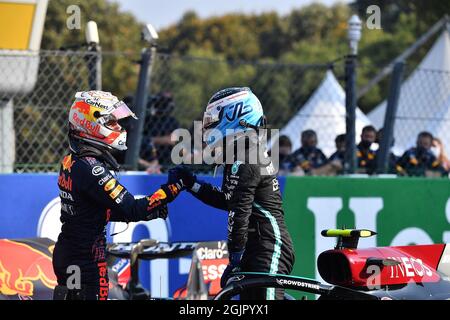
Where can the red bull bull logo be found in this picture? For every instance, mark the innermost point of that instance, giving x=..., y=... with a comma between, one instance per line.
x=156, y=198
x=67, y=163
x=21, y=266
x=87, y=110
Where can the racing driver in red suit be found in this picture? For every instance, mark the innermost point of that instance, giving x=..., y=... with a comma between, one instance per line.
x=91, y=196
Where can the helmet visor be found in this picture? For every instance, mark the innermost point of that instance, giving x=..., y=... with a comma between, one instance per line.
x=122, y=111
x=211, y=116
x=209, y=120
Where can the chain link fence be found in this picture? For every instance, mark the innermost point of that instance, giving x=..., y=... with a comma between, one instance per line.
x=281, y=88
x=423, y=105
x=295, y=97
x=34, y=123
x=34, y=113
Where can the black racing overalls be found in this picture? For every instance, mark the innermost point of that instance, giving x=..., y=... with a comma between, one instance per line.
x=251, y=195
x=90, y=197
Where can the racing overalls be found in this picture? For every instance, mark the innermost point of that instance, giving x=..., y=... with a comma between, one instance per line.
x=90, y=197
x=251, y=195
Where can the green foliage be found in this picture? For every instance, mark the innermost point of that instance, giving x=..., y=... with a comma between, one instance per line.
x=313, y=34
x=118, y=31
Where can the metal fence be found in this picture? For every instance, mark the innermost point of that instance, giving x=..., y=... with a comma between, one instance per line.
x=423, y=105
x=34, y=124
x=295, y=97
x=282, y=89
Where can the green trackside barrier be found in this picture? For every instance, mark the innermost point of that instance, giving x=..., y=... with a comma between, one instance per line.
x=401, y=210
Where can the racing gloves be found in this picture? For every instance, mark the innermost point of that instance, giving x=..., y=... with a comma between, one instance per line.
x=233, y=266
x=179, y=179
x=165, y=194
x=159, y=212
x=182, y=174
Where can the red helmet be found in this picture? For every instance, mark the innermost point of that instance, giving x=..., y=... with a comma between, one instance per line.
x=94, y=117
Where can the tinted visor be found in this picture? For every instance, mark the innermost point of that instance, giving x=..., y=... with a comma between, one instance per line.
x=212, y=117
x=111, y=122
x=122, y=111
x=209, y=120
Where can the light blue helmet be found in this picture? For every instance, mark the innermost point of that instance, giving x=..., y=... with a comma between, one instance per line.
x=232, y=111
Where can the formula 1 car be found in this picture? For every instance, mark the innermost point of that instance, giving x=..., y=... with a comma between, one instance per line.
x=209, y=259
x=384, y=273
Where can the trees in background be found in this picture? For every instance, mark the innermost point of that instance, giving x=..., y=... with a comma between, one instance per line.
x=118, y=31
x=309, y=35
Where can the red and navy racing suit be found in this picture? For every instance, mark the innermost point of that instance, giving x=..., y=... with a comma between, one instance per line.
x=251, y=195
x=90, y=197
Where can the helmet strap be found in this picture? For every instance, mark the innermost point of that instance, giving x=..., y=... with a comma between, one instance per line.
x=245, y=124
x=262, y=121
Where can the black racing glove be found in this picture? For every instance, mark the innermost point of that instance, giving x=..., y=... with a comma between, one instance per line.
x=161, y=211
x=164, y=195
x=183, y=175
x=233, y=266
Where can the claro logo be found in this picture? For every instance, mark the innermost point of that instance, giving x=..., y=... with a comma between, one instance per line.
x=205, y=253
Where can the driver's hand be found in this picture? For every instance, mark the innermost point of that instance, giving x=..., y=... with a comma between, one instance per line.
x=161, y=211
x=183, y=174
x=233, y=266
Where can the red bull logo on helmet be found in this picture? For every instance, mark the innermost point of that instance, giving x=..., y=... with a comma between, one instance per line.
x=21, y=266
x=88, y=109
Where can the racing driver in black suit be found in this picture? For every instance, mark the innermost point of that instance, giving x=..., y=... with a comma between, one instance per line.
x=258, y=240
x=91, y=196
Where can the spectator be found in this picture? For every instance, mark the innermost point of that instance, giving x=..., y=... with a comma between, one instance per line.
x=339, y=154
x=307, y=157
x=285, y=149
x=364, y=154
x=392, y=160
x=148, y=159
x=336, y=160
x=439, y=152
x=335, y=163
x=158, y=129
x=420, y=161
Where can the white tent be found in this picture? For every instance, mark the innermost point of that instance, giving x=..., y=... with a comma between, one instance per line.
x=324, y=113
x=424, y=99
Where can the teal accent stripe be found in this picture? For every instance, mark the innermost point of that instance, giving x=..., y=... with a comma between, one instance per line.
x=270, y=295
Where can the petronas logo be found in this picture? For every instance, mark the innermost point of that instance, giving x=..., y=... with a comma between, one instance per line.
x=235, y=167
